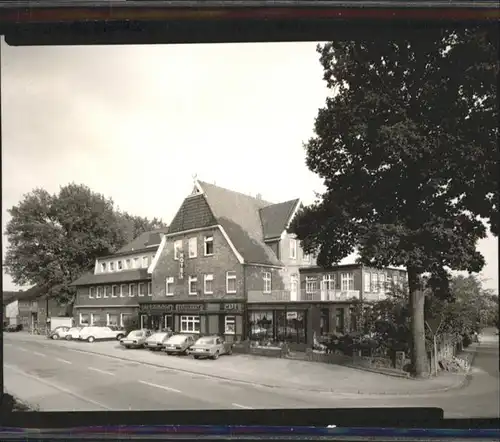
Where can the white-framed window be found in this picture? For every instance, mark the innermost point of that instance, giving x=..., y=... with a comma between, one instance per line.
x=128, y=263
x=136, y=263
x=144, y=321
x=103, y=267
x=231, y=282
x=145, y=262
x=374, y=288
x=230, y=325
x=123, y=290
x=169, y=286
x=99, y=292
x=311, y=284
x=142, y=289
x=150, y=288
x=208, y=284
x=177, y=248
x=381, y=282
x=91, y=292
x=395, y=280
x=329, y=282
x=347, y=281
x=209, y=245
x=84, y=319
x=293, y=248
x=193, y=247
x=267, y=282
x=132, y=290
x=190, y=324
x=112, y=319
x=367, y=282
x=114, y=291
x=123, y=318
x=95, y=318
x=111, y=266
x=107, y=291
x=119, y=265
x=193, y=285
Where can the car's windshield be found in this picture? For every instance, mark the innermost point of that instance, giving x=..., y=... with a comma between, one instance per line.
x=205, y=341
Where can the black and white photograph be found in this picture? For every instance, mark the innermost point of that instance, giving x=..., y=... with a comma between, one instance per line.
x=252, y=225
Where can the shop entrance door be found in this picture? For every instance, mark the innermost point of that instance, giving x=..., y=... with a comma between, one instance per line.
x=144, y=321
x=169, y=322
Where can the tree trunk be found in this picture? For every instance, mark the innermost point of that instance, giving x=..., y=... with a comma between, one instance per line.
x=417, y=300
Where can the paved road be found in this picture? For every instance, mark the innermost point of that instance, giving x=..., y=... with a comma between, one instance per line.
x=59, y=378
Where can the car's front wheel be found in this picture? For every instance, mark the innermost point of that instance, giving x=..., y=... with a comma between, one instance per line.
x=196, y=357
x=55, y=337
x=120, y=337
x=90, y=339
x=69, y=337
x=216, y=355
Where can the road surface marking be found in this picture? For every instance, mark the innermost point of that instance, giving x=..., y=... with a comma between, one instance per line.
x=21, y=349
x=160, y=386
x=57, y=387
x=242, y=406
x=64, y=360
x=39, y=354
x=7, y=345
x=101, y=371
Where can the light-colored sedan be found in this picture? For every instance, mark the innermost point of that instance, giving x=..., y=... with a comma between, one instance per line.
x=135, y=339
x=157, y=340
x=178, y=344
x=91, y=334
x=71, y=333
x=58, y=332
x=210, y=347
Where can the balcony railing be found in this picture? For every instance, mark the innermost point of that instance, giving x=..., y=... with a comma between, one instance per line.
x=329, y=295
x=256, y=296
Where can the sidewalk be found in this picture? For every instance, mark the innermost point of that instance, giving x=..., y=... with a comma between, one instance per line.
x=270, y=372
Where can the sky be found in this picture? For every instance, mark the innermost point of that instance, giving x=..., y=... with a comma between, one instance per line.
x=136, y=123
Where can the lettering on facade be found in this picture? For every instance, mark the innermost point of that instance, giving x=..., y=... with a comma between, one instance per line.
x=233, y=307
x=189, y=307
x=291, y=315
x=181, y=264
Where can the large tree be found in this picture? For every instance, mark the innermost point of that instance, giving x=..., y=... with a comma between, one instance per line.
x=53, y=239
x=407, y=148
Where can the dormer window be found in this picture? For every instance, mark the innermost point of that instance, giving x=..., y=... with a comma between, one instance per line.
x=111, y=266
x=119, y=265
x=103, y=267
x=145, y=261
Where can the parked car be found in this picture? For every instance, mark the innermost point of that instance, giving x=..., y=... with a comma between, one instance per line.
x=58, y=332
x=135, y=339
x=14, y=328
x=210, y=347
x=178, y=344
x=72, y=333
x=156, y=341
x=92, y=333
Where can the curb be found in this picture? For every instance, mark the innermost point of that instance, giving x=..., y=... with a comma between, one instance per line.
x=359, y=393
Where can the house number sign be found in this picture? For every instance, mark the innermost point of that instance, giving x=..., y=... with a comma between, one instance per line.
x=181, y=264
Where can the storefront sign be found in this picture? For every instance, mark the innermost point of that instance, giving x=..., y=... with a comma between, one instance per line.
x=189, y=307
x=233, y=307
x=181, y=264
x=291, y=315
x=163, y=307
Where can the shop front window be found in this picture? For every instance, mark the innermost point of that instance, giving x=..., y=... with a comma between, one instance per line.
x=84, y=319
x=261, y=325
x=190, y=324
x=291, y=327
x=112, y=319
x=230, y=325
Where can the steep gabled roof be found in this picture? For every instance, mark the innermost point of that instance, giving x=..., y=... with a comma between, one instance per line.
x=146, y=239
x=239, y=215
x=195, y=213
x=276, y=217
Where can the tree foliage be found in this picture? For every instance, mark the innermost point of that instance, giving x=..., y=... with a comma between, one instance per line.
x=407, y=148
x=53, y=239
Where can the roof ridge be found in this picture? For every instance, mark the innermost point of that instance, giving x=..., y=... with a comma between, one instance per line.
x=202, y=183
